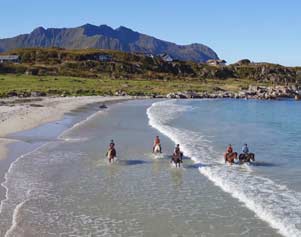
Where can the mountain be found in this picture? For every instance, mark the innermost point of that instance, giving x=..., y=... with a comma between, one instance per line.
x=105, y=37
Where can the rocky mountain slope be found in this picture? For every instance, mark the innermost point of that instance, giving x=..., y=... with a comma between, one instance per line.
x=105, y=37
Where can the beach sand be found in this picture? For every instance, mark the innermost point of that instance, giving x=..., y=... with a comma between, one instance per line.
x=15, y=117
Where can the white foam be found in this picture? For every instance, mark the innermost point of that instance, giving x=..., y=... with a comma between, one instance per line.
x=273, y=203
x=23, y=197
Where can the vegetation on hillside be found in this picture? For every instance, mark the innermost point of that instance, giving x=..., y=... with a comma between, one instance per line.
x=23, y=85
x=79, y=72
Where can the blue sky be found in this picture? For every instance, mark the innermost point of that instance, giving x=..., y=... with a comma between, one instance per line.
x=263, y=30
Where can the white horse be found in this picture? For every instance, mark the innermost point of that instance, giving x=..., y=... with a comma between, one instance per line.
x=157, y=148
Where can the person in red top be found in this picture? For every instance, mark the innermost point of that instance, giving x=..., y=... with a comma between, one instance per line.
x=230, y=155
x=228, y=151
x=157, y=142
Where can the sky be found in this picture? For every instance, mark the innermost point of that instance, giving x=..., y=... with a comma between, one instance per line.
x=260, y=30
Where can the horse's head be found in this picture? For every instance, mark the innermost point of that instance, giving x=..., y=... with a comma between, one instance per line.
x=252, y=157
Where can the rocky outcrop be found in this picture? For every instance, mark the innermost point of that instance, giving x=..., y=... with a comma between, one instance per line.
x=253, y=92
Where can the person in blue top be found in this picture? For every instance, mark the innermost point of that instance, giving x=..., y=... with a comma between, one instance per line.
x=245, y=149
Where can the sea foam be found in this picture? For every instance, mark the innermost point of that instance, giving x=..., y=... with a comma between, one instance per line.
x=272, y=202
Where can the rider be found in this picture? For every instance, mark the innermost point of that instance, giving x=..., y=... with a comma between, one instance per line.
x=112, y=144
x=157, y=142
x=229, y=150
x=245, y=149
x=112, y=150
x=177, y=151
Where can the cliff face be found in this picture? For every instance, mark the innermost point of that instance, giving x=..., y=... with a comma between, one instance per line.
x=104, y=37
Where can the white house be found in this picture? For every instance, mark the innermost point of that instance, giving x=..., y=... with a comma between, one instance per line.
x=165, y=57
x=9, y=58
x=104, y=57
x=216, y=62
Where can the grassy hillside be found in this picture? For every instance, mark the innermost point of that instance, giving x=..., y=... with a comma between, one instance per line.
x=61, y=85
x=78, y=72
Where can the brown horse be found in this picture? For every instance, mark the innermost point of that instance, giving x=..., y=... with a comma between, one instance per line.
x=230, y=157
x=177, y=159
x=111, y=154
x=246, y=158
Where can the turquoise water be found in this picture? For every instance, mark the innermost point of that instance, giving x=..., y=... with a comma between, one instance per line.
x=271, y=186
x=272, y=130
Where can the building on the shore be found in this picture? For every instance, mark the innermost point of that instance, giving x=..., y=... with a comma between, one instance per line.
x=243, y=62
x=104, y=58
x=216, y=62
x=150, y=55
x=166, y=57
x=9, y=58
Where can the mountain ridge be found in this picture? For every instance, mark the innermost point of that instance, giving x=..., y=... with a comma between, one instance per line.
x=105, y=37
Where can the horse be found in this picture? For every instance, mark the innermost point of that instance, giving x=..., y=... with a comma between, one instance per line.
x=111, y=154
x=246, y=158
x=157, y=148
x=230, y=157
x=177, y=159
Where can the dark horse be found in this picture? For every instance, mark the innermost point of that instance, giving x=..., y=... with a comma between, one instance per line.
x=246, y=158
x=177, y=159
x=230, y=157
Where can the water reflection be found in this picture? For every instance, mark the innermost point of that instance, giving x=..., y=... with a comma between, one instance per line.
x=177, y=177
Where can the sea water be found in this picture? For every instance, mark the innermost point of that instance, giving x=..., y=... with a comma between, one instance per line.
x=271, y=186
x=67, y=187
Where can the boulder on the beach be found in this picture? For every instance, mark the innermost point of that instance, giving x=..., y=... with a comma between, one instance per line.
x=120, y=93
x=36, y=105
x=103, y=106
x=37, y=94
x=171, y=96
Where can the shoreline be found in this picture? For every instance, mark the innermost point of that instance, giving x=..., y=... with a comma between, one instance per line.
x=33, y=113
x=22, y=117
x=61, y=115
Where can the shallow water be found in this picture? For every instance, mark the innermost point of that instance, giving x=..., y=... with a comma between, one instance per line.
x=67, y=187
x=271, y=186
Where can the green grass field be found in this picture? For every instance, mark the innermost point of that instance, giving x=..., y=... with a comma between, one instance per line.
x=57, y=85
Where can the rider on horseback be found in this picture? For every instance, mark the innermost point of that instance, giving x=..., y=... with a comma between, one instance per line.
x=229, y=155
x=178, y=152
x=177, y=156
x=245, y=149
x=157, y=143
x=111, y=153
x=112, y=144
x=229, y=150
x=246, y=156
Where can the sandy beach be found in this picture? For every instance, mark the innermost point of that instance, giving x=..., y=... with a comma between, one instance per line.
x=18, y=116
